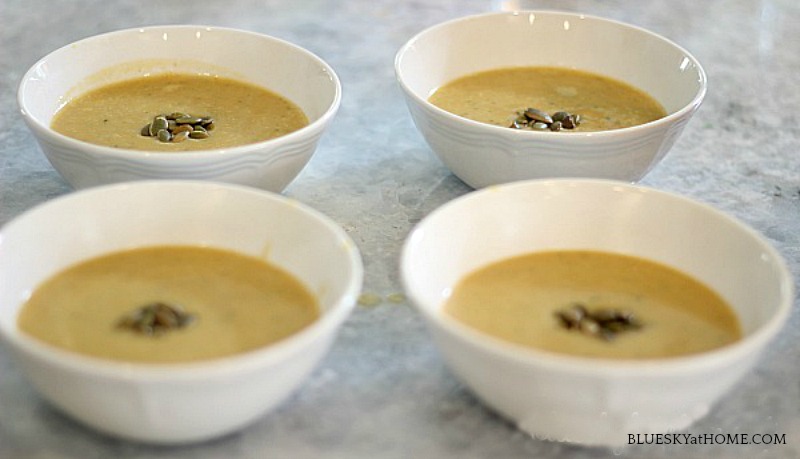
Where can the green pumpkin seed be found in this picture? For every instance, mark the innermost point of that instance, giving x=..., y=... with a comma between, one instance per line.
x=178, y=126
x=159, y=123
x=602, y=323
x=198, y=134
x=155, y=319
x=164, y=135
x=538, y=115
x=188, y=120
x=537, y=120
x=184, y=320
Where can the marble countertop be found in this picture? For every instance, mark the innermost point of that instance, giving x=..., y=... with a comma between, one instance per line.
x=383, y=391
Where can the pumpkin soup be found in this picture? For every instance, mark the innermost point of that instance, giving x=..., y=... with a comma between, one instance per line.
x=168, y=304
x=594, y=304
x=503, y=96
x=117, y=114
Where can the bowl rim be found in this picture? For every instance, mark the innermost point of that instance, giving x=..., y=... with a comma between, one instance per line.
x=322, y=328
x=571, y=137
x=606, y=367
x=166, y=157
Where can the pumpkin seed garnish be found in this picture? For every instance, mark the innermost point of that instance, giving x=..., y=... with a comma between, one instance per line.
x=182, y=128
x=156, y=318
x=537, y=115
x=159, y=123
x=164, y=135
x=178, y=126
x=533, y=119
x=181, y=136
x=603, y=323
x=199, y=134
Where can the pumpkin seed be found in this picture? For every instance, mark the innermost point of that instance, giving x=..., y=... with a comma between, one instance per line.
x=188, y=120
x=570, y=121
x=573, y=316
x=181, y=136
x=589, y=326
x=197, y=134
x=538, y=115
x=164, y=135
x=181, y=128
x=165, y=317
x=155, y=319
x=178, y=126
x=606, y=315
x=603, y=323
x=537, y=120
x=184, y=320
x=159, y=123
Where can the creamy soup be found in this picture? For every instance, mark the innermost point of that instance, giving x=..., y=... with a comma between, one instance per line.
x=496, y=96
x=114, y=115
x=519, y=300
x=237, y=303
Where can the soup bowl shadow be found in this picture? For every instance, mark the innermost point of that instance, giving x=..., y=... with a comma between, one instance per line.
x=482, y=154
x=180, y=402
x=583, y=400
x=268, y=62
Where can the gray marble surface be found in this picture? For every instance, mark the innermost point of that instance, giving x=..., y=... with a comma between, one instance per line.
x=383, y=390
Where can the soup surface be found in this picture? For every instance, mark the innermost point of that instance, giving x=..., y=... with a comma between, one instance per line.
x=518, y=299
x=114, y=115
x=239, y=303
x=495, y=97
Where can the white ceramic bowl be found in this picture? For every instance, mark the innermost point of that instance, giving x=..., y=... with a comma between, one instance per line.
x=482, y=154
x=277, y=65
x=175, y=403
x=595, y=401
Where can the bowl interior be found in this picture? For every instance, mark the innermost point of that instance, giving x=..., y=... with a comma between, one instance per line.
x=597, y=215
x=82, y=225
x=476, y=43
x=272, y=63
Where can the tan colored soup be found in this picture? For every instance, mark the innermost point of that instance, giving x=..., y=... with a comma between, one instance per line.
x=516, y=300
x=241, y=303
x=494, y=96
x=114, y=115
